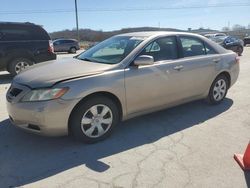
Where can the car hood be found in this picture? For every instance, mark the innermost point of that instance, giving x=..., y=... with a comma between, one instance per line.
x=48, y=73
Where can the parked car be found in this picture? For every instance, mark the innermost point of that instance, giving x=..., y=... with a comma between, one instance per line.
x=230, y=43
x=246, y=41
x=106, y=84
x=215, y=35
x=22, y=45
x=66, y=45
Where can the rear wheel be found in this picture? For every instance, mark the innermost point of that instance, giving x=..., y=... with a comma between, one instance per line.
x=94, y=119
x=218, y=90
x=19, y=64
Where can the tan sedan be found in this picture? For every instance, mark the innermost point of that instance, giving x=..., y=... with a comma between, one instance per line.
x=121, y=77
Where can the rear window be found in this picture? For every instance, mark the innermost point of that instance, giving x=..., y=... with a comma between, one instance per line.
x=22, y=32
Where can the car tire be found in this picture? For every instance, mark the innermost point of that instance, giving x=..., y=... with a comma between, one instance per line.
x=218, y=90
x=18, y=64
x=94, y=119
x=72, y=50
x=240, y=51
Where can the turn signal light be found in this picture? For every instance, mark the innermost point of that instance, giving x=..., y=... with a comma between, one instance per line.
x=237, y=59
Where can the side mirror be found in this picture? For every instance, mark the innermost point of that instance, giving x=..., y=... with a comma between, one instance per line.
x=144, y=60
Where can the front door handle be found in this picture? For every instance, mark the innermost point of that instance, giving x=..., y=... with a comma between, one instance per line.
x=179, y=67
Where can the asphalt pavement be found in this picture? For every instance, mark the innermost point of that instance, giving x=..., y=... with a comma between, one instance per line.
x=191, y=145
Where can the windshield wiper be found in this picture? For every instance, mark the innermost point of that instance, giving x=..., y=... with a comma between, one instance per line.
x=85, y=59
x=92, y=60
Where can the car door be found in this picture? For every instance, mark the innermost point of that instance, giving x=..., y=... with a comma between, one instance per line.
x=57, y=45
x=153, y=86
x=67, y=45
x=64, y=46
x=198, y=66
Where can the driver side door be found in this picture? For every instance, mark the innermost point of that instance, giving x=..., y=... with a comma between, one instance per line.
x=153, y=86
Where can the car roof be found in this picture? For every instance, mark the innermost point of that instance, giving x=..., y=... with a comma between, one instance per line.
x=65, y=39
x=157, y=33
x=16, y=23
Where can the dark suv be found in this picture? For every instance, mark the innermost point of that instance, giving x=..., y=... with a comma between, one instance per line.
x=22, y=45
x=66, y=45
x=246, y=41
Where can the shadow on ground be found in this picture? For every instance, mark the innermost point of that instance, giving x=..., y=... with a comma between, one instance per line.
x=27, y=158
x=247, y=177
x=5, y=78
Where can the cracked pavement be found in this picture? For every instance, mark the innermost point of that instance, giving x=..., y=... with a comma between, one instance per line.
x=191, y=145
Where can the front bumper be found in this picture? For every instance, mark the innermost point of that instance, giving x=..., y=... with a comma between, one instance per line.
x=49, y=118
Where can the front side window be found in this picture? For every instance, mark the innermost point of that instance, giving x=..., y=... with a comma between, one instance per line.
x=57, y=42
x=162, y=49
x=111, y=51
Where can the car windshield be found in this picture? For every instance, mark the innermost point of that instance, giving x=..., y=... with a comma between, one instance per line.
x=111, y=51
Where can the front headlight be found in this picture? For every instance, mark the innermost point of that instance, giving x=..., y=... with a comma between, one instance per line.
x=44, y=94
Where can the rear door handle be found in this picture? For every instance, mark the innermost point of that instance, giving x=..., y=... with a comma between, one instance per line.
x=217, y=60
x=179, y=67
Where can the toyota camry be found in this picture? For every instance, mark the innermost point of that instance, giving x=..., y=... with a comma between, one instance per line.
x=122, y=77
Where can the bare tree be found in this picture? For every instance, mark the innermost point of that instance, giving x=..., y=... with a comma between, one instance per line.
x=238, y=27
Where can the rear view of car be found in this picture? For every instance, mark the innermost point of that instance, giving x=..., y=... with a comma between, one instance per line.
x=230, y=43
x=22, y=45
x=246, y=41
x=66, y=45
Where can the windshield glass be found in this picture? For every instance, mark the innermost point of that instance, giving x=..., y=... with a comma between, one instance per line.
x=111, y=51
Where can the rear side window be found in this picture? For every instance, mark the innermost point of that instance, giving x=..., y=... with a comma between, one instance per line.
x=1, y=35
x=192, y=47
x=209, y=49
x=15, y=34
x=162, y=49
x=38, y=33
x=195, y=47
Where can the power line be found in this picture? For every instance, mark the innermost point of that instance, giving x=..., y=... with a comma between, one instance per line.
x=124, y=9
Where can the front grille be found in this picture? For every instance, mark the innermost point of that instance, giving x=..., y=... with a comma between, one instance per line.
x=14, y=92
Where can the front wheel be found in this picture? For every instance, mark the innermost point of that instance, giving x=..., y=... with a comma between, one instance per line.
x=94, y=119
x=218, y=90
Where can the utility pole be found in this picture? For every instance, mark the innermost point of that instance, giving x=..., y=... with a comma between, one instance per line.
x=77, y=28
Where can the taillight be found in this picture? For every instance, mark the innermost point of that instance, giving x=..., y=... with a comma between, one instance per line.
x=237, y=59
x=51, y=47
